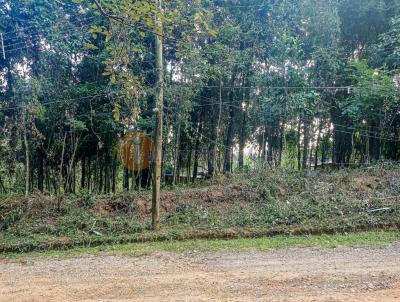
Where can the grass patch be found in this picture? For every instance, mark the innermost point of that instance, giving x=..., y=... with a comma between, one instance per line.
x=204, y=246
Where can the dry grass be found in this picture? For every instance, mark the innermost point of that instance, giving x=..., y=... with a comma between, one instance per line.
x=256, y=204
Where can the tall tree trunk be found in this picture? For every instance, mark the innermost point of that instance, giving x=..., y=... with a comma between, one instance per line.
x=299, y=144
x=217, y=131
x=269, y=136
x=374, y=141
x=126, y=180
x=263, y=146
x=101, y=184
x=317, y=146
x=114, y=172
x=47, y=179
x=306, y=125
x=60, y=171
x=211, y=152
x=189, y=163
x=281, y=142
x=197, y=150
x=89, y=174
x=27, y=168
x=242, y=140
x=177, y=152
x=230, y=131
x=83, y=172
x=228, y=145
x=2, y=185
x=74, y=178
x=75, y=143
x=40, y=170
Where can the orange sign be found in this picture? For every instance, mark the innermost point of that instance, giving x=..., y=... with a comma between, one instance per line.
x=135, y=151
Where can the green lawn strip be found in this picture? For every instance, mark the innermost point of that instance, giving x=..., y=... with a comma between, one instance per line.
x=43, y=242
x=205, y=245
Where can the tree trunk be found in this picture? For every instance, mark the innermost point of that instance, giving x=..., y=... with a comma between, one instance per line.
x=177, y=152
x=89, y=173
x=114, y=172
x=126, y=180
x=83, y=172
x=211, y=153
x=281, y=142
x=40, y=184
x=217, y=131
x=228, y=145
x=242, y=140
x=75, y=143
x=189, y=164
x=320, y=126
x=59, y=177
x=27, y=168
x=299, y=145
x=263, y=147
x=306, y=138
x=374, y=142
x=2, y=185
x=197, y=150
x=230, y=131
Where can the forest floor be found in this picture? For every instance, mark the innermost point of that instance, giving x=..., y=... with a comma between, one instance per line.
x=368, y=273
x=257, y=204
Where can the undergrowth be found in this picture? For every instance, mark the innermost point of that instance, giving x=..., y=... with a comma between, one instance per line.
x=260, y=203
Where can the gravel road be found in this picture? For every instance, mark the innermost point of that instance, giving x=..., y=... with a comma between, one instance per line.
x=294, y=274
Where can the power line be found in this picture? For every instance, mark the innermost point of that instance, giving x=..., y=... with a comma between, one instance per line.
x=370, y=136
x=68, y=33
x=172, y=38
x=346, y=88
x=366, y=133
x=22, y=29
x=337, y=130
x=56, y=102
x=216, y=6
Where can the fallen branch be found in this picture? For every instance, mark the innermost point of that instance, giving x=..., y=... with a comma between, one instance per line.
x=379, y=210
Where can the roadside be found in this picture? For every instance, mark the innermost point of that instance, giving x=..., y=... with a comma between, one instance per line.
x=372, y=239
x=257, y=204
x=237, y=270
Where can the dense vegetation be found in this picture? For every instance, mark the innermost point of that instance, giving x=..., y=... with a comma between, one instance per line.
x=292, y=83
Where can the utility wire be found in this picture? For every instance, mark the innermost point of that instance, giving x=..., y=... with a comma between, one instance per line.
x=57, y=102
x=346, y=88
x=364, y=133
x=22, y=30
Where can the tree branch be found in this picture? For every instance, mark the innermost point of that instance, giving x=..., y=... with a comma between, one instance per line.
x=106, y=14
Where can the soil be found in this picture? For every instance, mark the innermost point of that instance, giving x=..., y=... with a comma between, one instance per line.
x=223, y=196
x=294, y=274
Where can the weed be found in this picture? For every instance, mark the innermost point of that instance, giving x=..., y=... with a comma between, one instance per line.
x=190, y=214
x=274, y=202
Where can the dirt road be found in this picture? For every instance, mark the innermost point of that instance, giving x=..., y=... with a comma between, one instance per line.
x=295, y=274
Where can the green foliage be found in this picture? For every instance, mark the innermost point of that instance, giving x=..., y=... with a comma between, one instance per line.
x=85, y=75
x=388, y=47
x=10, y=218
x=282, y=202
x=374, y=94
x=190, y=214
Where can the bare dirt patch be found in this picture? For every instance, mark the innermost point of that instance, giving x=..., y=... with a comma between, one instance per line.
x=294, y=274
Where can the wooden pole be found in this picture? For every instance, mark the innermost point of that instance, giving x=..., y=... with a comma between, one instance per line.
x=159, y=126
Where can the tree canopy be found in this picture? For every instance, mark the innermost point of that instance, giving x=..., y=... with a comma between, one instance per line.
x=293, y=83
